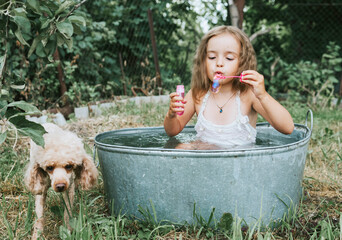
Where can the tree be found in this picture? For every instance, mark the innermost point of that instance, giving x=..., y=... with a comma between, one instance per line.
x=33, y=30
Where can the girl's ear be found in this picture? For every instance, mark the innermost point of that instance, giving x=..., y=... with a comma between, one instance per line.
x=36, y=179
x=87, y=175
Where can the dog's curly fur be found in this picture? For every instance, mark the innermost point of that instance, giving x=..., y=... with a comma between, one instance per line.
x=63, y=164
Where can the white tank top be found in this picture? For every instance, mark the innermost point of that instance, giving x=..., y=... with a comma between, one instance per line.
x=239, y=132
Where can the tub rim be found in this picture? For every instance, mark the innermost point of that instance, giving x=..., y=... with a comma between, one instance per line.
x=203, y=153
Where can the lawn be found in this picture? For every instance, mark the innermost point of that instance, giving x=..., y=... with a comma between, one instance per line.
x=317, y=217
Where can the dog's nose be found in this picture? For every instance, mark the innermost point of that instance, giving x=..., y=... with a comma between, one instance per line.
x=60, y=187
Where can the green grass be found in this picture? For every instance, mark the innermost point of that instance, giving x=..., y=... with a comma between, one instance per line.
x=317, y=217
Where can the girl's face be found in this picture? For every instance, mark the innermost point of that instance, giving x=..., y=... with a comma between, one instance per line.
x=222, y=56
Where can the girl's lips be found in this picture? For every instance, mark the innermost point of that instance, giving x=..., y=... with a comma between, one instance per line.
x=219, y=76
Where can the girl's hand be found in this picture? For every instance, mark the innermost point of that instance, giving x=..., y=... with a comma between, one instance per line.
x=176, y=104
x=256, y=80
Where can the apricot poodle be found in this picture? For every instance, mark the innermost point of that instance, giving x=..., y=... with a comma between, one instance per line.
x=63, y=164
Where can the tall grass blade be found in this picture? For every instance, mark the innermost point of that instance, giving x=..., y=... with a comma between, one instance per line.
x=211, y=217
x=7, y=223
x=199, y=233
x=340, y=226
x=160, y=227
x=30, y=214
x=154, y=212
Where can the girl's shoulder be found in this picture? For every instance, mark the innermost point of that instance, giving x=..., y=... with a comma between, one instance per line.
x=197, y=95
x=248, y=99
x=247, y=96
x=196, y=99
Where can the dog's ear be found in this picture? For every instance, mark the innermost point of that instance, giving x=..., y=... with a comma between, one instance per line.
x=36, y=179
x=87, y=174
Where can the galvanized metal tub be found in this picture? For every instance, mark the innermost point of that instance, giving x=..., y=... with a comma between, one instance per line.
x=257, y=184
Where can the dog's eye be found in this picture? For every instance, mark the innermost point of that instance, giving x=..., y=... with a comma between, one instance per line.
x=49, y=168
x=68, y=167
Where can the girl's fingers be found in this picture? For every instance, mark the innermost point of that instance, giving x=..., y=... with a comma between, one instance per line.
x=177, y=106
x=177, y=103
x=247, y=78
x=252, y=76
x=176, y=97
x=249, y=82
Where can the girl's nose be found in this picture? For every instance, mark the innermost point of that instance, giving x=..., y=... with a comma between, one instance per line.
x=219, y=63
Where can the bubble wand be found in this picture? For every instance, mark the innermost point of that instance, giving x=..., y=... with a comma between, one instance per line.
x=215, y=87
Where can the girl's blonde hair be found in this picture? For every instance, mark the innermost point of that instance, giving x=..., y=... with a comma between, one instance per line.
x=200, y=83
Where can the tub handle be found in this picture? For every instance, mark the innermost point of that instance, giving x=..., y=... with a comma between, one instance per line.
x=94, y=156
x=311, y=119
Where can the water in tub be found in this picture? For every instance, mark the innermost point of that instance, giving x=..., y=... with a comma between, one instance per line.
x=187, y=140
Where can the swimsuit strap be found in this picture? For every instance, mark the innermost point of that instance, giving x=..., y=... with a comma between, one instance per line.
x=238, y=105
x=237, y=99
x=204, y=102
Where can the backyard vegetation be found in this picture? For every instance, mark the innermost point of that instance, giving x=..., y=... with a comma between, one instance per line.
x=57, y=55
x=317, y=217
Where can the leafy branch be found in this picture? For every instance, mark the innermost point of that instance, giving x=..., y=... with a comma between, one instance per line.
x=40, y=26
x=73, y=9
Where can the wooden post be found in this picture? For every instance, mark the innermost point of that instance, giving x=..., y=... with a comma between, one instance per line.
x=155, y=53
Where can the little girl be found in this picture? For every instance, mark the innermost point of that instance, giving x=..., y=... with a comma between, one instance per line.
x=228, y=117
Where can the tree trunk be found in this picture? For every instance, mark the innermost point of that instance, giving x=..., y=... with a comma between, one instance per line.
x=228, y=19
x=236, y=12
x=240, y=4
x=63, y=87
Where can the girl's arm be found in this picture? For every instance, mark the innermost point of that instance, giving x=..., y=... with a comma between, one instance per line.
x=266, y=105
x=174, y=123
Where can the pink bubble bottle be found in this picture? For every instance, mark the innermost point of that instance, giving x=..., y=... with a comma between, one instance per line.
x=180, y=91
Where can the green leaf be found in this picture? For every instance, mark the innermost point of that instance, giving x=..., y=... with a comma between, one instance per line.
x=23, y=23
x=46, y=22
x=61, y=39
x=226, y=221
x=34, y=5
x=337, y=68
x=4, y=92
x=3, y=108
x=63, y=7
x=33, y=46
x=79, y=20
x=31, y=129
x=46, y=10
x=69, y=43
x=65, y=28
x=19, y=12
x=40, y=50
x=24, y=106
x=3, y=137
x=18, y=87
x=51, y=46
x=20, y=37
x=2, y=63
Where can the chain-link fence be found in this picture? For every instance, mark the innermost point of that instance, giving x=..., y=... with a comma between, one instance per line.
x=298, y=30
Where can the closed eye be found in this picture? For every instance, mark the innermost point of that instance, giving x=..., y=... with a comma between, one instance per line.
x=68, y=167
x=49, y=168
